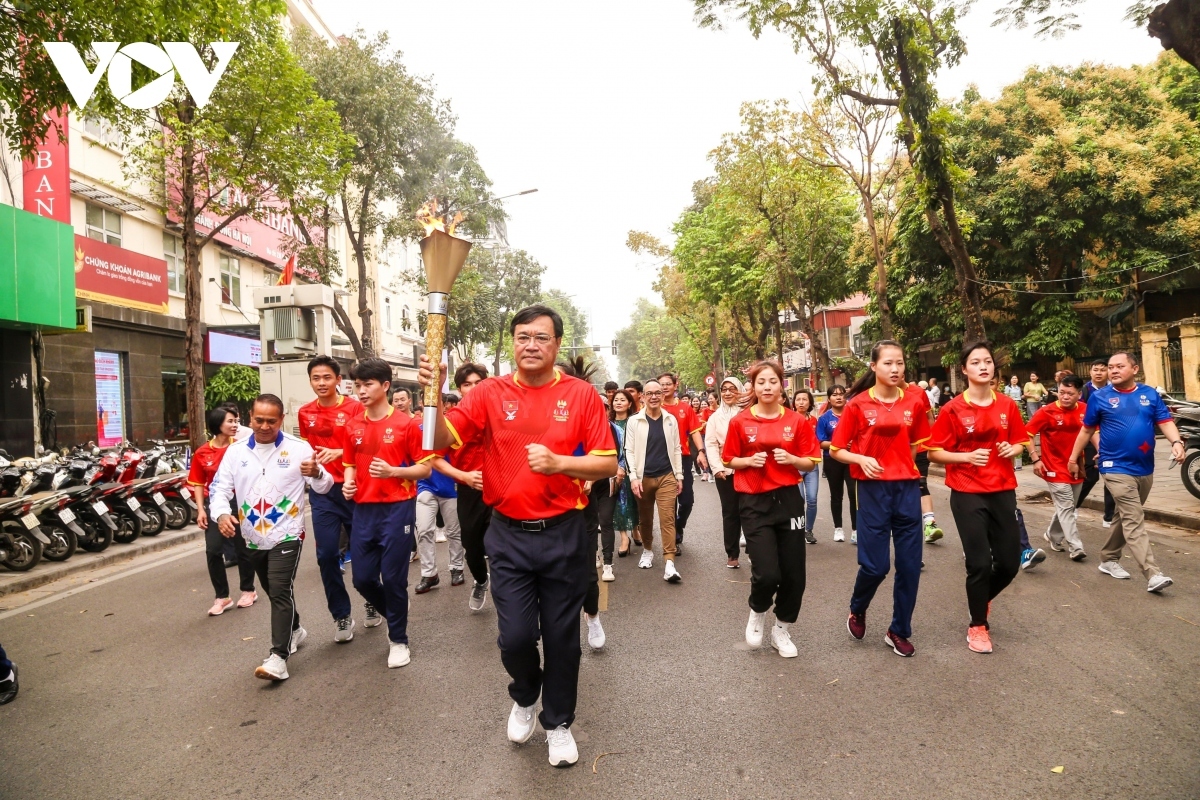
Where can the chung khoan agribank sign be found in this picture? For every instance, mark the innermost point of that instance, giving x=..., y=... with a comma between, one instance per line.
x=165, y=60
x=122, y=277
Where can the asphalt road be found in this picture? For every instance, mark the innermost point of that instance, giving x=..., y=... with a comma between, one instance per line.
x=129, y=690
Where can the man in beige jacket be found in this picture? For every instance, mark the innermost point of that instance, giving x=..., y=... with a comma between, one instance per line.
x=655, y=464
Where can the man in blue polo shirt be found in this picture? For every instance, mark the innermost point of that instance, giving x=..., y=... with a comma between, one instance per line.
x=1126, y=413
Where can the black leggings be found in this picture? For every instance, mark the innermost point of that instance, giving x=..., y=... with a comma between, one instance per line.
x=214, y=546
x=473, y=517
x=606, y=506
x=731, y=520
x=838, y=475
x=991, y=540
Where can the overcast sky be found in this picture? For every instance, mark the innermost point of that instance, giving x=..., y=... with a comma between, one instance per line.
x=610, y=110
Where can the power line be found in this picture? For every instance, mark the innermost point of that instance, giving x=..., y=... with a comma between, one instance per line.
x=1081, y=291
x=1111, y=272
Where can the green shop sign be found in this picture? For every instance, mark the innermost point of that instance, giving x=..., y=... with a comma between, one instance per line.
x=37, y=271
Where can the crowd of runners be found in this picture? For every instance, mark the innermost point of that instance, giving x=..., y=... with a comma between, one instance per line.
x=539, y=484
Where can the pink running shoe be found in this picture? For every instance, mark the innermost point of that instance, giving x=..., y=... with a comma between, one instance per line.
x=219, y=606
x=247, y=599
x=978, y=639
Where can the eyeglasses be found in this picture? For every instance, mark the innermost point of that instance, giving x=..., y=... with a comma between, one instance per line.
x=652, y=394
x=524, y=340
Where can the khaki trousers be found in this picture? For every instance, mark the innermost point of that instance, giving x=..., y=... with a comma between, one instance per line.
x=658, y=492
x=1129, y=492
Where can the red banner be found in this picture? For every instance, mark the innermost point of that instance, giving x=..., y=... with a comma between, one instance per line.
x=47, y=174
x=111, y=274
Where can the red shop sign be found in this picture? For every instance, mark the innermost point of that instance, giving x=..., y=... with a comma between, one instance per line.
x=122, y=277
x=46, y=185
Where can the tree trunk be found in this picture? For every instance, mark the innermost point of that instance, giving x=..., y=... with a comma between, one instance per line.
x=358, y=243
x=1177, y=25
x=499, y=345
x=715, y=339
x=820, y=353
x=881, y=300
x=779, y=335
x=193, y=341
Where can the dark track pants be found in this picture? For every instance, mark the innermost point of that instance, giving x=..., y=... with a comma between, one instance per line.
x=991, y=540
x=329, y=513
x=474, y=518
x=276, y=569
x=775, y=545
x=687, y=499
x=731, y=519
x=215, y=546
x=379, y=554
x=889, y=511
x=838, y=476
x=5, y=664
x=539, y=580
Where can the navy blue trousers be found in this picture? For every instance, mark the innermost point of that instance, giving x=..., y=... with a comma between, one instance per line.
x=380, y=550
x=329, y=513
x=539, y=581
x=889, y=511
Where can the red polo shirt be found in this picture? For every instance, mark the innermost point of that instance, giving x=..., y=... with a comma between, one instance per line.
x=1059, y=428
x=689, y=423
x=750, y=434
x=884, y=431
x=397, y=440
x=325, y=426
x=205, y=462
x=963, y=426
x=501, y=415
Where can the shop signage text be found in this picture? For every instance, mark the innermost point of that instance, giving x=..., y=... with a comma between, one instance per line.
x=47, y=173
x=111, y=274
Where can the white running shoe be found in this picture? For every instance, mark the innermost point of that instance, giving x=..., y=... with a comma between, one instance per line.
x=273, y=669
x=298, y=637
x=608, y=574
x=344, y=630
x=853, y=537
x=563, y=752
x=1106, y=523
x=439, y=537
x=398, y=655
x=1158, y=583
x=599, y=560
x=839, y=535
x=1115, y=569
x=754, y=628
x=647, y=560
x=596, y=638
x=670, y=574
x=781, y=640
x=1058, y=548
x=742, y=540
x=521, y=722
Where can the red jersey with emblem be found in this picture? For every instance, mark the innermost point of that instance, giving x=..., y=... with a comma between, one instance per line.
x=689, y=423
x=502, y=416
x=884, y=431
x=397, y=440
x=1059, y=428
x=750, y=434
x=205, y=462
x=468, y=458
x=325, y=426
x=963, y=426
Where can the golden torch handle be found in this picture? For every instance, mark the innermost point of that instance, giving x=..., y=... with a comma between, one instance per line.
x=435, y=342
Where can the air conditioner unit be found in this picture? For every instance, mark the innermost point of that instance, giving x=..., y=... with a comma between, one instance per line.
x=291, y=332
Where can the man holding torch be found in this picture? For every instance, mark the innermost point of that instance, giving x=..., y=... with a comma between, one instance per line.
x=544, y=434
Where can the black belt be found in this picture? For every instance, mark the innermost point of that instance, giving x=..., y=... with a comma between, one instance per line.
x=535, y=525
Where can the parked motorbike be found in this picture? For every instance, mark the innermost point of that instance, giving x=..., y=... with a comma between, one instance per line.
x=1187, y=419
x=21, y=538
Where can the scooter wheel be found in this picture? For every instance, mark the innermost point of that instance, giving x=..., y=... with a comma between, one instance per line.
x=63, y=542
x=129, y=527
x=1190, y=472
x=157, y=520
x=99, y=540
x=24, y=550
x=176, y=514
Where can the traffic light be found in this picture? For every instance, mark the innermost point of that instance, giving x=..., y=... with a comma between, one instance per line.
x=614, y=347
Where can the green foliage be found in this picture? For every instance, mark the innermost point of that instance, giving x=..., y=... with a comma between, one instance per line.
x=646, y=348
x=232, y=382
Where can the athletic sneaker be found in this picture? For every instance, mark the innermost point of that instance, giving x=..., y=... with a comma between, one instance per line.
x=1031, y=557
x=742, y=540
x=298, y=637
x=978, y=639
x=900, y=646
x=732, y=564
x=1107, y=523
x=608, y=574
x=1078, y=555
x=373, y=617
x=754, y=628
x=810, y=537
x=247, y=599
x=563, y=752
x=478, y=596
x=647, y=559
x=342, y=563
x=1115, y=569
x=220, y=606
x=839, y=535
x=857, y=625
x=439, y=537
x=427, y=583
x=781, y=640
x=456, y=577
x=670, y=574
x=1158, y=583
x=345, y=630
x=596, y=637
x=853, y=537
x=398, y=655
x=1058, y=548
x=273, y=669
x=521, y=722
x=932, y=532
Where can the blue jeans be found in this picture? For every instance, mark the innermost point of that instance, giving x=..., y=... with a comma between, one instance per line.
x=380, y=548
x=812, y=484
x=887, y=511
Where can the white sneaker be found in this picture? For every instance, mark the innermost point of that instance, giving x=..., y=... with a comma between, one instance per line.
x=599, y=560
x=1058, y=548
x=1105, y=523
x=439, y=537
x=853, y=537
x=742, y=540
x=754, y=628
x=670, y=574
x=596, y=637
x=1158, y=583
x=298, y=637
x=647, y=560
x=563, y=752
x=1115, y=569
x=608, y=574
x=781, y=640
x=273, y=669
x=344, y=629
x=398, y=655
x=373, y=617
x=839, y=535
x=521, y=722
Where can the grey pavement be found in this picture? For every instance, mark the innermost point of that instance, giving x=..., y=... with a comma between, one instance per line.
x=129, y=690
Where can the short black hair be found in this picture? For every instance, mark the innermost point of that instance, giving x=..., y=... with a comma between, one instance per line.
x=371, y=369
x=232, y=408
x=635, y=385
x=1100, y=362
x=467, y=370
x=325, y=361
x=1129, y=355
x=611, y=385
x=670, y=375
x=971, y=347
x=1072, y=380
x=270, y=400
x=451, y=398
x=530, y=313
x=404, y=389
x=216, y=418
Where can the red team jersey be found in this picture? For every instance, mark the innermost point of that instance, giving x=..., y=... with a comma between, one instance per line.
x=689, y=423
x=502, y=416
x=397, y=440
x=326, y=427
x=750, y=434
x=963, y=426
x=468, y=458
x=205, y=462
x=884, y=431
x=1059, y=428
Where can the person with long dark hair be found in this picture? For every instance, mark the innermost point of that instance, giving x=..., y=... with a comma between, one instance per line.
x=877, y=437
x=625, y=511
x=715, y=432
x=977, y=436
x=836, y=473
x=804, y=404
x=768, y=447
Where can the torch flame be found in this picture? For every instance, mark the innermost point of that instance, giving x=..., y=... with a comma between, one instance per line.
x=427, y=216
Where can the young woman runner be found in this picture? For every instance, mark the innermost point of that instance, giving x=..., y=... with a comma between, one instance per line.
x=877, y=436
x=768, y=446
x=977, y=435
x=625, y=515
x=837, y=473
x=805, y=405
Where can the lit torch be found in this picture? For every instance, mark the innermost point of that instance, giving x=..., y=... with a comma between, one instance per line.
x=444, y=255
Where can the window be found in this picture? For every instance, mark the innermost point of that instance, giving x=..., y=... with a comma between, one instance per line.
x=103, y=132
x=231, y=280
x=406, y=318
x=103, y=225
x=174, y=383
x=387, y=313
x=173, y=254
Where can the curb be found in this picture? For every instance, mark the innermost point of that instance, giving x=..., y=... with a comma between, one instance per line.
x=72, y=566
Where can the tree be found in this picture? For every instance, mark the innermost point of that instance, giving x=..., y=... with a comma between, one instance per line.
x=232, y=383
x=646, y=347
